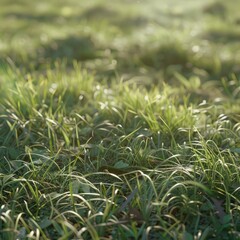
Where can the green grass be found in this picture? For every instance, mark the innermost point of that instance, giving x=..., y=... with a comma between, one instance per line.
x=119, y=121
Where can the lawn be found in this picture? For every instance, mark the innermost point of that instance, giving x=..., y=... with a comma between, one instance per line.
x=120, y=120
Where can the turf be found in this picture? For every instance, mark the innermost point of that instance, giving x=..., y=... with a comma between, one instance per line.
x=119, y=120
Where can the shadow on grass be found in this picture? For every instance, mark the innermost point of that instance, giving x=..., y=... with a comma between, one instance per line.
x=216, y=8
x=165, y=55
x=33, y=17
x=116, y=18
x=71, y=48
x=171, y=57
x=99, y=12
x=222, y=36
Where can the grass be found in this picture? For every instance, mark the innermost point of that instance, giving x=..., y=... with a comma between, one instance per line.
x=124, y=126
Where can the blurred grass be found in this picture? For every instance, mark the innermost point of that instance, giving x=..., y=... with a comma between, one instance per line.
x=124, y=38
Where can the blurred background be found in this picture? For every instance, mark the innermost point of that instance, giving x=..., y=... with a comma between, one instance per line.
x=146, y=40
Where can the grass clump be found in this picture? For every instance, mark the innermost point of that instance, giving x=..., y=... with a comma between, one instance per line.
x=86, y=161
x=118, y=133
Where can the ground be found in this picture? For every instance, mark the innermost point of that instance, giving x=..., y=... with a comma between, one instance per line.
x=119, y=120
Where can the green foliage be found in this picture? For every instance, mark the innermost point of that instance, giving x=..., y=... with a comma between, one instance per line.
x=124, y=126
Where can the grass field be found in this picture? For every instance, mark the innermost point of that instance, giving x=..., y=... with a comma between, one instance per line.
x=120, y=119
